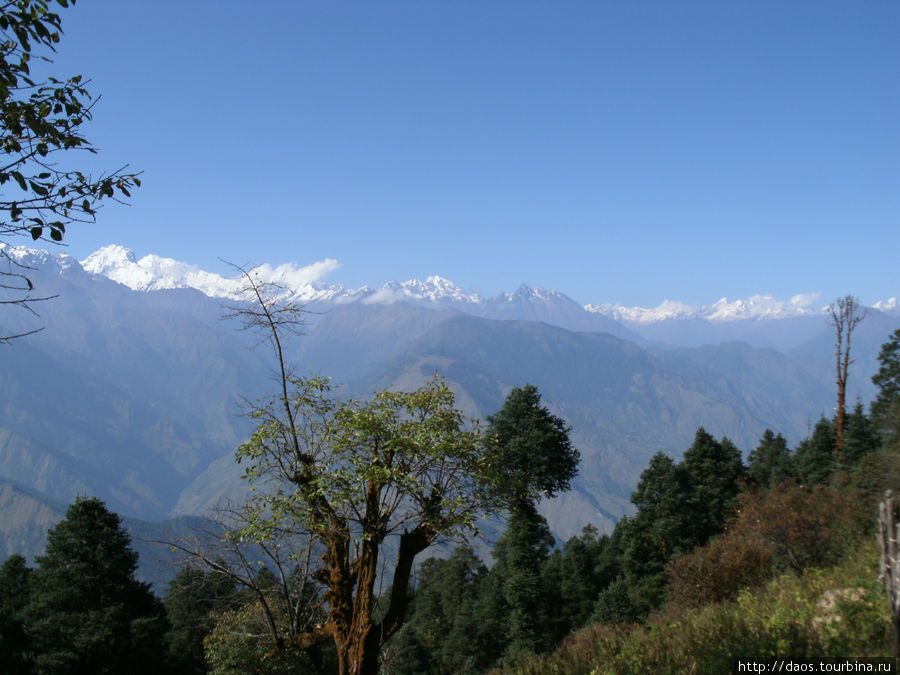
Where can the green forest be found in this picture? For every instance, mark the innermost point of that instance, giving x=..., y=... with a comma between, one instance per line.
x=722, y=557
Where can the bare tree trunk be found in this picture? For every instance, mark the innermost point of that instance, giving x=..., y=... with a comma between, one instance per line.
x=845, y=315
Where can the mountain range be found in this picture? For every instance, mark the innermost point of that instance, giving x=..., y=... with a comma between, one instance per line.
x=133, y=389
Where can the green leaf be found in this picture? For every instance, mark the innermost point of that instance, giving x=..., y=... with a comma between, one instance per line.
x=36, y=232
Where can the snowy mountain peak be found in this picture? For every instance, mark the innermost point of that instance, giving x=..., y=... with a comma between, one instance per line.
x=19, y=259
x=757, y=307
x=108, y=258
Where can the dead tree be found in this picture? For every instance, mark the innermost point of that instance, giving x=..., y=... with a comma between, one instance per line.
x=845, y=315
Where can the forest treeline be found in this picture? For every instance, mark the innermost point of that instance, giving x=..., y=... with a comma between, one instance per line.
x=779, y=546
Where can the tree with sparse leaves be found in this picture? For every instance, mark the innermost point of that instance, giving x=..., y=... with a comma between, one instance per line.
x=402, y=468
x=41, y=192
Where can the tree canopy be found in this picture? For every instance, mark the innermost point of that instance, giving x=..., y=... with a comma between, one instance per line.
x=87, y=612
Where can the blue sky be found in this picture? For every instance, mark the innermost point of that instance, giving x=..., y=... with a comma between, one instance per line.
x=616, y=151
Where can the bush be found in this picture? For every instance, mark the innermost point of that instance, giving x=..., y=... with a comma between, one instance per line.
x=719, y=570
x=803, y=615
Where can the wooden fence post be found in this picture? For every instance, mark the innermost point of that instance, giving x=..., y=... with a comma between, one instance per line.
x=889, y=574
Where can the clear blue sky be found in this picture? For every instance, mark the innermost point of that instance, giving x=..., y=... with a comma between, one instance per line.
x=616, y=151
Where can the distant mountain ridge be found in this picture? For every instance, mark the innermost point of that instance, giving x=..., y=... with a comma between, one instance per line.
x=152, y=272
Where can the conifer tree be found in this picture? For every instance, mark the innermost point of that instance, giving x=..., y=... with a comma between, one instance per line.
x=886, y=406
x=715, y=471
x=770, y=463
x=815, y=455
x=860, y=438
x=531, y=457
x=87, y=613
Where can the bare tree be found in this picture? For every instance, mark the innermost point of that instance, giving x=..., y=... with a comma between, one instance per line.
x=844, y=315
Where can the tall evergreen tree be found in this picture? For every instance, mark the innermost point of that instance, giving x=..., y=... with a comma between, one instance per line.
x=814, y=457
x=861, y=438
x=714, y=470
x=87, y=613
x=658, y=531
x=531, y=457
x=886, y=406
x=770, y=463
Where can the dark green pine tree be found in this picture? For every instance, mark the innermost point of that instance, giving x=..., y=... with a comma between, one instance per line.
x=814, y=457
x=531, y=457
x=679, y=506
x=438, y=635
x=886, y=406
x=770, y=463
x=576, y=574
x=658, y=531
x=87, y=613
x=715, y=470
x=189, y=601
x=861, y=438
x=528, y=544
x=15, y=591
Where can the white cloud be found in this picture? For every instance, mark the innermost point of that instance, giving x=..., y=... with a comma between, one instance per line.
x=805, y=300
x=292, y=276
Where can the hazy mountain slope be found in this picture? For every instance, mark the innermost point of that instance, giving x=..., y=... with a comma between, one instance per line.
x=817, y=355
x=29, y=513
x=624, y=403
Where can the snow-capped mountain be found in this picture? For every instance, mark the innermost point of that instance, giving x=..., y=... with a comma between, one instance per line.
x=756, y=307
x=761, y=320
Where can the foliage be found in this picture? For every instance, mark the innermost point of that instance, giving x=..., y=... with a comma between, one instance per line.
x=719, y=570
x=87, y=613
x=770, y=463
x=190, y=599
x=861, y=439
x=239, y=642
x=15, y=578
x=577, y=571
x=814, y=458
x=805, y=526
x=528, y=543
x=40, y=123
x=886, y=406
x=680, y=506
x=531, y=454
x=352, y=474
x=800, y=616
x=438, y=635
x=715, y=471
